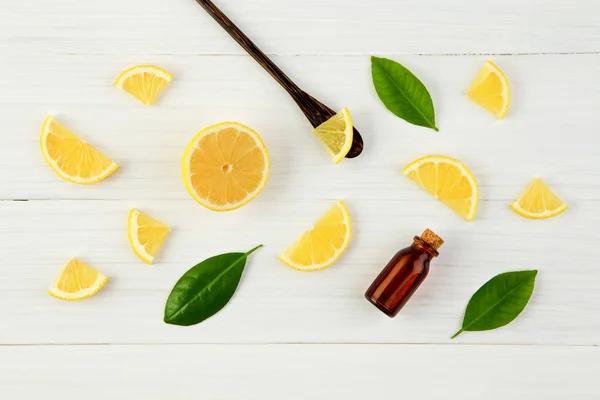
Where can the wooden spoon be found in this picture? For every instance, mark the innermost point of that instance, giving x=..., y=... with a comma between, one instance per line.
x=315, y=111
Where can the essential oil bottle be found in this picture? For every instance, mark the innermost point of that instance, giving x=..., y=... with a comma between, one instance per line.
x=403, y=275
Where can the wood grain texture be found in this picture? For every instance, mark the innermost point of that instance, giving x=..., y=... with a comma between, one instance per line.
x=147, y=27
x=287, y=334
x=299, y=372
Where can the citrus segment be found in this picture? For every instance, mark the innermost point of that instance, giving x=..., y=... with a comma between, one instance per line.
x=77, y=281
x=146, y=235
x=324, y=243
x=72, y=158
x=449, y=181
x=225, y=166
x=337, y=134
x=491, y=90
x=539, y=202
x=144, y=82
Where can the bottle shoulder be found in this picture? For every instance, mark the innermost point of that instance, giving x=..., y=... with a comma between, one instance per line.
x=411, y=257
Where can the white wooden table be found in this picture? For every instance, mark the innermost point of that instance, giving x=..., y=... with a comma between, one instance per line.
x=288, y=335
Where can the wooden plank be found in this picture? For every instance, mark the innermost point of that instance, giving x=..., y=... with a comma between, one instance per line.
x=548, y=132
x=299, y=372
x=300, y=27
x=275, y=304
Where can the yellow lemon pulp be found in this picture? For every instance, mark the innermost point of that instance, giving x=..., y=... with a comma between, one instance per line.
x=144, y=82
x=72, y=158
x=146, y=235
x=337, y=134
x=324, y=243
x=449, y=181
x=225, y=166
x=77, y=281
x=491, y=90
x=538, y=202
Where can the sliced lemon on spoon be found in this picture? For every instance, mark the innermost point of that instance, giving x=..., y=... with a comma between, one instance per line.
x=337, y=134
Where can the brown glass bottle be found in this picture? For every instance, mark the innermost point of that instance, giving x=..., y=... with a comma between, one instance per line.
x=404, y=274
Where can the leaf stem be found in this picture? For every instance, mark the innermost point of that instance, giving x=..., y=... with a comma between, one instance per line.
x=457, y=333
x=254, y=249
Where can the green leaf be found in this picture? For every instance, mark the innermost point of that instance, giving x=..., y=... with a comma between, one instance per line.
x=205, y=289
x=499, y=301
x=402, y=92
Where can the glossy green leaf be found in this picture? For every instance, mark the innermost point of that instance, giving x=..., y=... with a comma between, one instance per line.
x=499, y=301
x=205, y=289
x=402, y=92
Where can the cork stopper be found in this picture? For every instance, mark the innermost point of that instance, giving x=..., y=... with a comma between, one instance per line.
x=432, y=239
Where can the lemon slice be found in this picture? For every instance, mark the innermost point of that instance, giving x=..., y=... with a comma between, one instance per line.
x=146, y=235
x=336, y=134
x=491, y=90
x=324, y=243
x=144, y=82
x=72, y=158
x=77, y=281
x=449, y=181
x=539, y=202
x=225, y=166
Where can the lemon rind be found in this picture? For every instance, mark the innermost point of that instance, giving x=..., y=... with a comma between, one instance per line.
x=138, y=249
x=505, y=87
x=349, y=136
x=140, y=69
x=545, y=215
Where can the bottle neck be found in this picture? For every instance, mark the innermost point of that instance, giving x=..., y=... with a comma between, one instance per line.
x=424, y=247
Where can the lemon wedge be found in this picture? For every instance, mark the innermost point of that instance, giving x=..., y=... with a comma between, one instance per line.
x=77, y=281
x=72, y=158
x=449, y=181
x=539, y=202
x=324, y=243
x=491, y=90
x=337, y=134
x=146, y=235
x=225, y=166
x=144, y=82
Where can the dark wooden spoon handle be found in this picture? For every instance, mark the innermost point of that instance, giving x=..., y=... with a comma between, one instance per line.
x=250, y=47
x=315, y=111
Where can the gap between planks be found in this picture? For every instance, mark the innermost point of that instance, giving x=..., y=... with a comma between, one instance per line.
x=484, y=54
x=406, y=344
